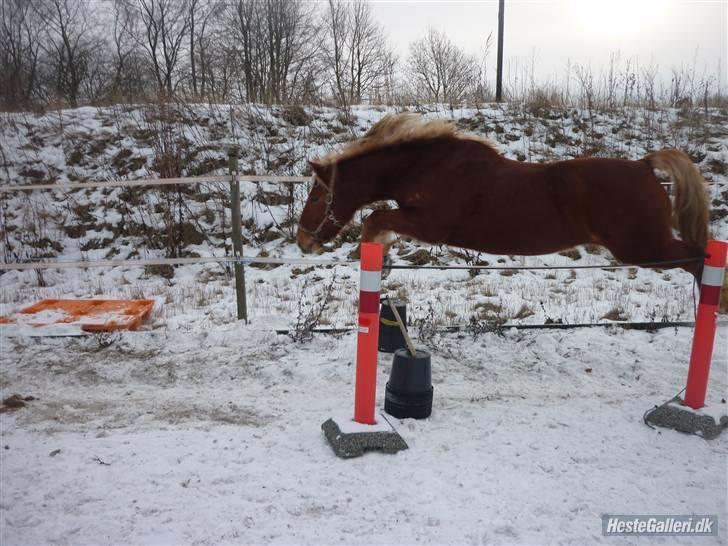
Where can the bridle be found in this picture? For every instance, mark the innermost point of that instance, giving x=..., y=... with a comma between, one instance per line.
x=328, y=200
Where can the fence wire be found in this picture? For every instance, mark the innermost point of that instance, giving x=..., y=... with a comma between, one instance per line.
x=313, y=262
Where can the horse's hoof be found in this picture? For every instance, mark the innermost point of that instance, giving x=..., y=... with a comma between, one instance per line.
x=386, y=267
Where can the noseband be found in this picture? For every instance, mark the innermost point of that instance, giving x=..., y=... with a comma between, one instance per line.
x=328, y=212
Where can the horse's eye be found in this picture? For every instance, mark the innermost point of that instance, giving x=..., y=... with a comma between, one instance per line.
x=314, y=199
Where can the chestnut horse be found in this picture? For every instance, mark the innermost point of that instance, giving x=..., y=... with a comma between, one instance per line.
x=456, y=189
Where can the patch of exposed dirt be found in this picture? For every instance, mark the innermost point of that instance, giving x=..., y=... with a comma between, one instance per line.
x=15, y=402
x=121, y=413
x=419, y=257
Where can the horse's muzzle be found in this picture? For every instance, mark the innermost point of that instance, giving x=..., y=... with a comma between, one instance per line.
x=307, y=243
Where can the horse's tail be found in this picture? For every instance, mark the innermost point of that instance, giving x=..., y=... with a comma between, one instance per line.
x=691, y=209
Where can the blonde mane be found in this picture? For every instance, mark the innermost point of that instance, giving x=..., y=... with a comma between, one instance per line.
x=394, y=129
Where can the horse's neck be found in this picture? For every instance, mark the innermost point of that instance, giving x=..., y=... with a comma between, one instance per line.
x=379, y=176
x=363, y=176
x=406, y=169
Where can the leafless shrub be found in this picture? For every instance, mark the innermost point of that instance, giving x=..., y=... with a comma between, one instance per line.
x=296, y=115
x=429, y=328
x=477, y=327
x=309, y=317
x=541, y=101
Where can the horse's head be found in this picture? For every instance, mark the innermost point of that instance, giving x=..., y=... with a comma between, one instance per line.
x=320, y=220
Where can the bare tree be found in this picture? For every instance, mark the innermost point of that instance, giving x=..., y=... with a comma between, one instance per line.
x=69, y=44
x=19, y=52
x=356, y=53
x=305, y=65
x=127, y=73
x=195, y=7
x=219, y=66
x=442, y=71
x=165, y=25
x=337, y=28
x=369, y=54
x=277, y=44
x=203, y=14
x=386, y=90
x=245, y=30
x=292, y=43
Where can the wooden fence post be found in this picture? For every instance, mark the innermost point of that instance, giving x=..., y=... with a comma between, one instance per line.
x=237, y=236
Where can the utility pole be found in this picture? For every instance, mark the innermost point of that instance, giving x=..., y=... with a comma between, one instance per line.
x=499, y=72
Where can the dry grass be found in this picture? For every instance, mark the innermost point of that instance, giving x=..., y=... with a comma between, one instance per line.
x=615, y=314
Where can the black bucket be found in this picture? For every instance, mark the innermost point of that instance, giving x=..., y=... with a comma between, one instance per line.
x=409, y=389
x=390, y=336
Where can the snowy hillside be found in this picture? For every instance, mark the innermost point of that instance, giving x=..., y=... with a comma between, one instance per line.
x=124, y=142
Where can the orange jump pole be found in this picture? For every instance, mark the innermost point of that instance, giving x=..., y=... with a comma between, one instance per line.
x=353, y=437
x=368, y=338
x=705, y=324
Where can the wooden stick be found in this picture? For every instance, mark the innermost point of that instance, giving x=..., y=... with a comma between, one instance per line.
x=407, y=339
x=155, y=182
x=240, y=292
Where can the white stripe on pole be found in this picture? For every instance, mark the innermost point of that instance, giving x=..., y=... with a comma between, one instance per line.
x=713, y=276
x=371, y=281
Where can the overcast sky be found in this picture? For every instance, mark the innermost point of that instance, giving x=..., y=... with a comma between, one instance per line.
x=668, y=32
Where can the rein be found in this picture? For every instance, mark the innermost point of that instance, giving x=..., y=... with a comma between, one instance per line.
x=329, y=200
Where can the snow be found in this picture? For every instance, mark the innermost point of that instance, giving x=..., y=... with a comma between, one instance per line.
x=213, y=436
x=28, y=330
x=347, y=425
x=198, y=429
x=715, y=411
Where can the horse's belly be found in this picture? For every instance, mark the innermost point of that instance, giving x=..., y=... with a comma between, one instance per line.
x=521, y=238
x=530, y=248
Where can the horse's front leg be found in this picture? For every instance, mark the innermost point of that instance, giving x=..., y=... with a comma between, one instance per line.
x=382, y=225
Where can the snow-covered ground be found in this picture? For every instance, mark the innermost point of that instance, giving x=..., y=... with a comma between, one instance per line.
x=209, y=436
x=199, y=429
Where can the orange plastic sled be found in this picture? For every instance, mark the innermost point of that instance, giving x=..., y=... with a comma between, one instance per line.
x=92, y=315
